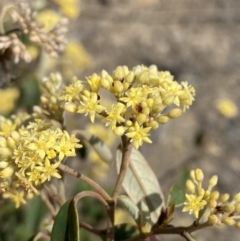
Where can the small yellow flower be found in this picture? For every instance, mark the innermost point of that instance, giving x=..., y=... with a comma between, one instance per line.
x=139, y=134
x=49, y=170
x=194, y=204
x=227, y=108
x=115, y=115
x=17, y=197
x=89, y=105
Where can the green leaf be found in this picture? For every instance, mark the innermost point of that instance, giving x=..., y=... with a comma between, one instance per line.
x=176, y=195
x=73, y=229
x=59, y=229
x=131, y=207
x=141, y=183
x=66, y=225
x=97, y=144
x=125, y=231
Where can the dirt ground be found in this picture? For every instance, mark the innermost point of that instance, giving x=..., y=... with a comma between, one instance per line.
x=197, y=41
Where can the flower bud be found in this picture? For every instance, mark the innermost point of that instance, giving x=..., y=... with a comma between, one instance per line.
x=237, y=225
x=168, y=100
x=213, y=219
x=228, y=221
x=199, y=175
x=105, y=83
x=7, y=172
x=15, y=135
x=11, y=143
x=141, y=118
x=174, y=113
x=142, y=77
x=130, y=77
x=119, y=73
x=214, y=195
x=150, y=102
x=228, y=208
x=119, y=131
x=212, y=182
x=190, y=186
x=224, y=197
x=129, y=123
x=212, y=203
x=70, y=107
x=125, y=85
x=192, y=175
x=237, y=208
x=162, y=119
x=3, y=164
x=3, y=141
x=158, y=101
x=117, y=86
x=44, y=100
x=153, y=124
x=237, y=197
x=5, y=152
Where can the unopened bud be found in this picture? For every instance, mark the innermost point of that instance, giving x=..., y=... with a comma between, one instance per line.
x=212, y=203
x=199, y=175
x=168, y=100
x=228, y=208
x=162, y=119
x=237, y=207
x=213, y=219
x=5, y=152
x=213, y=182
x=229, y=221
x=142, y=77
x=150, y=102
x=190, y=186
x=153, y=124
x=105, y=83
x=119, y=73
x=15, y=135
x=174, y=113
x=130, y=77
x=214, y=195
x=7, y=172
x=224, y=197
x=11, y=142
x=70, y=107
x=141, y=118
x=117, y=86
x=3, y=164
x=237, y=197
x=119, y=131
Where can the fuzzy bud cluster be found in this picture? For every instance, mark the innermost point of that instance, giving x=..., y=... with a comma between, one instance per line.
x=50, y=103
x=145, y=99
x=24, y=19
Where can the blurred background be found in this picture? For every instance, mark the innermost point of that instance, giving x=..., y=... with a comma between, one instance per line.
x=198, y=42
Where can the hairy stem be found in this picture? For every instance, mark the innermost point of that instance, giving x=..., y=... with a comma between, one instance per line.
x=126, y=152
x=87, y=180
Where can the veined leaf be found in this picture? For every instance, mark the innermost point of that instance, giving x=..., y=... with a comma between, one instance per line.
x=131, y=207
x=141, y=183
x=176, y=195
x=97, y=144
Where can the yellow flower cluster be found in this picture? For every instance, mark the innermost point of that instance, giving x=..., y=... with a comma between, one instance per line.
x=50, y=106
x=143, y=96
x=8, y=99
x=30, y=155
x=217, y=206
x=70, y=8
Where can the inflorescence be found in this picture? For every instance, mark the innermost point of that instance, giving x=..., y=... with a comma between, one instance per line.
x=144, y=99
x=204, y=202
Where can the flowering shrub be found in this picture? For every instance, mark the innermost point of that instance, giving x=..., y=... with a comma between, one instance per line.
x=34, y=147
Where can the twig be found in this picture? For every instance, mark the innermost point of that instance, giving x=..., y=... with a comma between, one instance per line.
x=126, y=152
x=89, y=181
x=53, y=195
x=91, y=194
x=183, y=231
x=48, y=204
